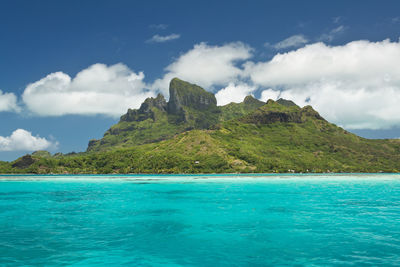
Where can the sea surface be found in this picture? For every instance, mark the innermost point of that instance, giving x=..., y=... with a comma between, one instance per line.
x=213, y=220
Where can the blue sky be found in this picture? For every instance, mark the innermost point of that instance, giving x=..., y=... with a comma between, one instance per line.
x=332, y=55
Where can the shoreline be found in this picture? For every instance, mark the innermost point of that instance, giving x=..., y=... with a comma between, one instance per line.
x=150, y=178
x=200, y=174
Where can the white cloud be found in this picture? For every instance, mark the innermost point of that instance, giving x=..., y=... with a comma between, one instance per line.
x=206, y=65
x=356, y=85
x=99, y=89
x=8, y=102
x=330, y=36
x=233, y=93
x=269, y=94
x=22, y=140
x=162, y=39
x=291, y=42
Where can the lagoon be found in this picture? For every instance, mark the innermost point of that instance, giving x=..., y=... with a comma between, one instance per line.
x=200, y=220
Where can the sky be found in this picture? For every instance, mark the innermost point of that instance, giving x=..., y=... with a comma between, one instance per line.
x=70, y=69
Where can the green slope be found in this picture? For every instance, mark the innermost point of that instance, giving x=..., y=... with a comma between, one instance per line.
x=276, y=137
x=236, y=110
x=190, y=107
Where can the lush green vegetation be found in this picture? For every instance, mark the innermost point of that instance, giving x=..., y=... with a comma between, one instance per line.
x=190, y=107
x=236, y=110
x=248, y=137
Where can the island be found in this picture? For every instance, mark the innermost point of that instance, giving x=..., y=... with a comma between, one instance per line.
x=189, y=133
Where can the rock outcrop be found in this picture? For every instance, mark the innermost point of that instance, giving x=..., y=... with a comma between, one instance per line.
x=146, y=109
x=183, y=94
x=286, y=103
x=275, y=111
x=23, y=162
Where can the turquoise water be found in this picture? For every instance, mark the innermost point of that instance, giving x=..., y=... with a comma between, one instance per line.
x=334, y=220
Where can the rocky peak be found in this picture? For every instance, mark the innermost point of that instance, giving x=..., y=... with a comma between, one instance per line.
x=270, y=102
x=145, y=111
x=284, y=111
x=158, y=102
x=23, y=162
x=41, y=154
x=310, y=112
x=286, y=103
x=250, y=100
x=183, y=94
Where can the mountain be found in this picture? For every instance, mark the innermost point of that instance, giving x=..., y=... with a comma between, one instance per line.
x=189, y=107
x=191, y=134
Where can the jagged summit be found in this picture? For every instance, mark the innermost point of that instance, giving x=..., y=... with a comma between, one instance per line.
x=250, y=100
x=184, y=94
x=287, y=103
x=281, y=111
x=189, y=107
x=146, y=109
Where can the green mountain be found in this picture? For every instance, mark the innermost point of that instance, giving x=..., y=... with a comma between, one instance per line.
x=191, y=134
x=189, y=107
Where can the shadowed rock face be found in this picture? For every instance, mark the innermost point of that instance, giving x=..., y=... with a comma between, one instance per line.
x=273, y=112
x=145, y=111
x=250, y=100
x=191, y=107
x=23, y=162
x=286, y=103
x=183, y=94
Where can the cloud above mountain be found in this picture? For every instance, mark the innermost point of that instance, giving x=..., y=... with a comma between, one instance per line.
x=233, y=93
x=22, y=140
x=99, y=89
x=206, y=65
x=355, y=85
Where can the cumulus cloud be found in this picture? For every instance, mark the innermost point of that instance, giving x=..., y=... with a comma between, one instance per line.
x=270, y=94
x=356, y=85
x=162, y=39
x=22, y=140
x=291, y=42
x=8, y=102
x=99, y=89
x=233, y=93
x=206, y=65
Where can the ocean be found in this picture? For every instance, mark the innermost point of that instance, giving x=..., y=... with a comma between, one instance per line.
x=200, y=220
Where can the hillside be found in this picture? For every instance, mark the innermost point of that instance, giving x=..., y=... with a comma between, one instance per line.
x=189, y=107
x=191, y=134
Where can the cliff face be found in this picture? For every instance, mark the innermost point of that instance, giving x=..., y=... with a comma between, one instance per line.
x=183, y=97
x=189, y=107
x=286, y=103
x=146, y=109
x=281, y=111
x=191, y=104
x=183, y=94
